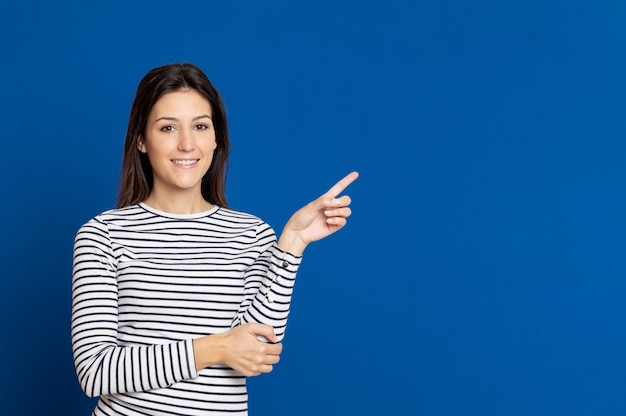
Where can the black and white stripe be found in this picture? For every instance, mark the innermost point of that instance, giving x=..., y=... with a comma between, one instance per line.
x=146, y=283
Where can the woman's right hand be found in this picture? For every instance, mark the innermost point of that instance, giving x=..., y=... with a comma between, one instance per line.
x=240, y=349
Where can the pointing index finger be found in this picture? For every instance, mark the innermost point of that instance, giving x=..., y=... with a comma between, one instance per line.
x=342, y=184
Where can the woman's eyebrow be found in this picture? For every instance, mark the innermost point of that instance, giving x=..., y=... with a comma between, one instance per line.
x=175, y=119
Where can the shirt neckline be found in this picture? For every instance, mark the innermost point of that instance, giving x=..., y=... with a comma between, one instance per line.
x=179, y=216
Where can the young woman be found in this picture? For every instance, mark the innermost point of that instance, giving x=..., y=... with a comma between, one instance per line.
x=177, y=298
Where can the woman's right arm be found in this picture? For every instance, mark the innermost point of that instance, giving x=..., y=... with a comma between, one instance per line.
x=102, y=365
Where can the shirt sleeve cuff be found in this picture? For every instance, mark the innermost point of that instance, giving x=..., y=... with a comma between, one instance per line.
x=284, y=265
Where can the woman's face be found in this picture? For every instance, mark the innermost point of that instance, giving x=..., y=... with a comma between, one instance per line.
x=179, y=141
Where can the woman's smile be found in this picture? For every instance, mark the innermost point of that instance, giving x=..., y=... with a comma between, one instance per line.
x=186, y=163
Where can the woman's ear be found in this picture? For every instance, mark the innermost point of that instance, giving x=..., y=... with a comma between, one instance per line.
x=141, y=145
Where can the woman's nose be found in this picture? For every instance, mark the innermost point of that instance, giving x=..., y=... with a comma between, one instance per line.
x=185, y=141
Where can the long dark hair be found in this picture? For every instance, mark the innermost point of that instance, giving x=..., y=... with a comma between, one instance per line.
x=136, y=178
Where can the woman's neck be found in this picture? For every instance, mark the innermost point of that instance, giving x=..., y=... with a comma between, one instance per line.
x=183, y=203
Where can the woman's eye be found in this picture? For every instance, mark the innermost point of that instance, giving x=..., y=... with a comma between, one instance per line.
x=202, y=127
x=167, y=128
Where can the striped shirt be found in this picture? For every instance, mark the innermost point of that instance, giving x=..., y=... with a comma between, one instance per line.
x=146, y=283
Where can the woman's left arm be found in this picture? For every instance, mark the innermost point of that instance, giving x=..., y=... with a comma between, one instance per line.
x=269, y=282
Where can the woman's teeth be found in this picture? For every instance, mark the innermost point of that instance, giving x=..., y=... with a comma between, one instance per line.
x=185, y=161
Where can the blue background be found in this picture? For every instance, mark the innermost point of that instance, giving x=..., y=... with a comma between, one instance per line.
x=482, y=272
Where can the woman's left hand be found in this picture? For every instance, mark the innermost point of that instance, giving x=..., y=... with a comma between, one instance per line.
x=318, y=219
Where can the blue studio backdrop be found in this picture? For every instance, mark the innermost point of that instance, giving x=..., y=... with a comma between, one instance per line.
x=482, y=271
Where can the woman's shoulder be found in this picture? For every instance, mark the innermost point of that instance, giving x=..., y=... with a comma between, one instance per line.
x=231, y=219
x=113, y=215
x=129, y=212
x=235, y=216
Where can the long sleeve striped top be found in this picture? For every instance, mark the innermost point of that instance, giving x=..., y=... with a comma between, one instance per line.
x=146, y=283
